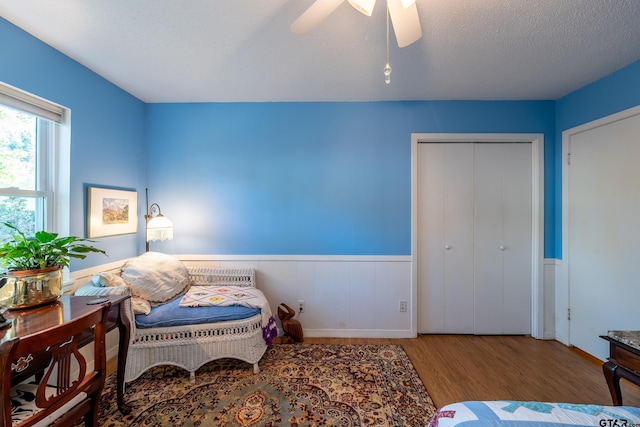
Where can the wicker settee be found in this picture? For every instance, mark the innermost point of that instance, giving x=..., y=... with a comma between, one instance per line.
x=191, y=346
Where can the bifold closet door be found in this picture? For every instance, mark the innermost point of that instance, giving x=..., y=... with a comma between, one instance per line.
x=474, y=238
x=445, y=238
x=502, y=238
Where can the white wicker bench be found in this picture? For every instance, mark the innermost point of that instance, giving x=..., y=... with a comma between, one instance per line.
x=190, y=347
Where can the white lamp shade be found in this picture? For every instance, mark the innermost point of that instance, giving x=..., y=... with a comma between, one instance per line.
x=159, y=228
x=364, y=6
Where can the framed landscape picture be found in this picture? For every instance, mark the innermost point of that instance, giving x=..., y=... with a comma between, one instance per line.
x=111, y=212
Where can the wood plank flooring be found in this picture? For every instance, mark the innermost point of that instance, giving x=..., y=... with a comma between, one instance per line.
x=463, y=367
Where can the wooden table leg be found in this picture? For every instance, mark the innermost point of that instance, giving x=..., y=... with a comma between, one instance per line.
x=124, y=331
x=613, y=381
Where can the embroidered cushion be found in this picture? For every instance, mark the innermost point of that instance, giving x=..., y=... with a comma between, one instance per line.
x=204, y=296
x=156, y=277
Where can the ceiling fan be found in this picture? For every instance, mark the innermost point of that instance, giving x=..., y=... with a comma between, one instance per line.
x=404, y=17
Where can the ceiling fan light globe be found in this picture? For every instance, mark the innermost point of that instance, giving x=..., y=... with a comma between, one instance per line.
x=363, y=6
x=387, y=73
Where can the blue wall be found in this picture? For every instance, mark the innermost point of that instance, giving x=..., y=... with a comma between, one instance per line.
x=306, y=178
x=616, y=92
x=107, y=132
x=277, y=178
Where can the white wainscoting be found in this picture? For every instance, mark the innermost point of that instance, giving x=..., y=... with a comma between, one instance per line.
x=549, y=277
x=345, y=296
x=561, y=278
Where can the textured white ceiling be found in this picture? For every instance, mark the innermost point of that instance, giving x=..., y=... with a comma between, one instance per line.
x=243, y=50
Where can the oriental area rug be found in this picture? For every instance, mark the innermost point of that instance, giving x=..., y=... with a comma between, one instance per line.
x=298, y=385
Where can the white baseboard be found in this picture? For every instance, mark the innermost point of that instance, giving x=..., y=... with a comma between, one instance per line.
x=356, y=333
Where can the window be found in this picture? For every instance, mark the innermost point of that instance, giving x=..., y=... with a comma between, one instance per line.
x=32, y=163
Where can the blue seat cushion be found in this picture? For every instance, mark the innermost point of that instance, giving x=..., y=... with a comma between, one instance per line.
x=171, y=314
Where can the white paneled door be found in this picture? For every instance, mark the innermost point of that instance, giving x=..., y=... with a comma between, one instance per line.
x=502, y=238
x=445, y=238
x=603, y=232
x=474, y=238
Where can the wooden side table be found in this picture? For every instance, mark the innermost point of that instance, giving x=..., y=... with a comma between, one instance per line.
x=623, y=361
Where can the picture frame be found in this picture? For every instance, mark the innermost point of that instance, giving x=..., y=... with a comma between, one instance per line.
x=111, y=212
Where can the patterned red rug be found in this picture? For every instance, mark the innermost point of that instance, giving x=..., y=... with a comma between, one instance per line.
x=298, y=385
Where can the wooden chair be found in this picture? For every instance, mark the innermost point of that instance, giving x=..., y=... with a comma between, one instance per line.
x=67, y=389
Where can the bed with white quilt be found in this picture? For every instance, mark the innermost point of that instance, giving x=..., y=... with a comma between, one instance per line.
x=504, y=413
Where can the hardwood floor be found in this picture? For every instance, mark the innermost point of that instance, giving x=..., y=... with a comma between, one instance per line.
x=463, y=367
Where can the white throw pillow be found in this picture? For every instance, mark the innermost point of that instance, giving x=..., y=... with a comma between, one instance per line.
x=156, y=277
x=140, y=306
x=105, y=278
x=90, y=290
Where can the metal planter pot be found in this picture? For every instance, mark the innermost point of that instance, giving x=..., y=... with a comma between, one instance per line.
x=30, y=288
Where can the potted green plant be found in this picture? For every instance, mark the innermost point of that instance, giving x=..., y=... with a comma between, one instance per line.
x=34, y=266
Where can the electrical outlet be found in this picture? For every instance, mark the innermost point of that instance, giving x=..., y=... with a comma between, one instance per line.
x=402, y=306
x=300, y=306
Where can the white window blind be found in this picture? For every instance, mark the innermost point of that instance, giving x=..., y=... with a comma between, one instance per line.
x=28, y=103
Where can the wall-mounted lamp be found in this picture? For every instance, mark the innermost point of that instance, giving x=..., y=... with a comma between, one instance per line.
x=158, y=227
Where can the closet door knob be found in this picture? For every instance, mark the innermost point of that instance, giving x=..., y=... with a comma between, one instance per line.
x=447, y=247
x=502, y=248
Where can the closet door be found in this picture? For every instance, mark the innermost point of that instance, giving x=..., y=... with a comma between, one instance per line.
x=445, y=238
x=474, y=238
x=502, y=238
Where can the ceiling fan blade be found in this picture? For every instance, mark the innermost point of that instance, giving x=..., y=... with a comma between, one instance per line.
x=313, y=16
x=406, y=22
x=363, y=6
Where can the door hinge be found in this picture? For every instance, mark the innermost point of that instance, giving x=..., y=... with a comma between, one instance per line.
x=569, y=158
x=568, y=314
